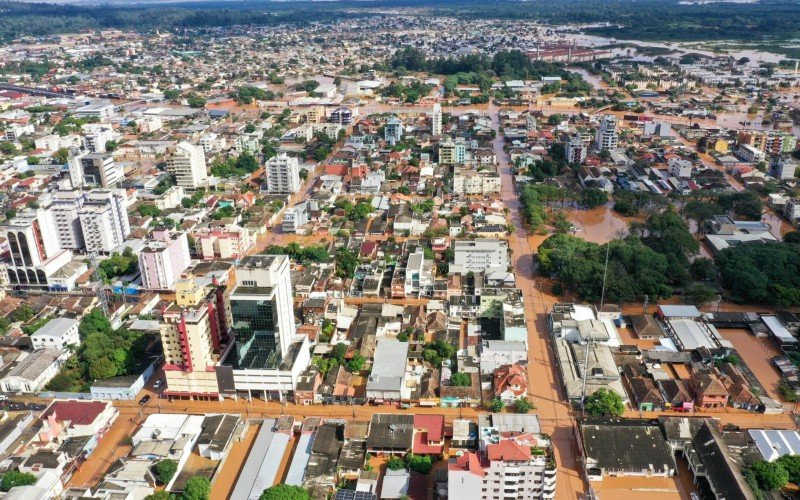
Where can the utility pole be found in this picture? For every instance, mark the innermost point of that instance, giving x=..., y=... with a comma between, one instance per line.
x=605, y=273
x=646, y=303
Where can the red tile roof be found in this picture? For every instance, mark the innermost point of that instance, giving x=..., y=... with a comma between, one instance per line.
x=470, y=462
x=433, y=424
x=508, y=450
x=75, y=412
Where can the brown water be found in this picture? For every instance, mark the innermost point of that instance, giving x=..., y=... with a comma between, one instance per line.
x=599, y=225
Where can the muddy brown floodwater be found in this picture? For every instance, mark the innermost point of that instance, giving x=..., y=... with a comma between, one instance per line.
x=599, y=225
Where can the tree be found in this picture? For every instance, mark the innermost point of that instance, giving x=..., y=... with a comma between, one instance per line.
x=792, y=237
x=356, y=363
x=497, y=405
x=419, y=463
x=770, y=475
x=285, y=492
x=13, y=479
x=338, y=352
x=197, y=488
x=102, y=368
x=395, y=463
x=523, y=405
x=165, y=470
x=593, y=197
x=604, y=402
x=160, y=495
x=460, y=379
x=699, y=293
x=791, y=464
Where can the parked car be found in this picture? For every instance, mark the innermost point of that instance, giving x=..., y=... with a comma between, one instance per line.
x=144, y=400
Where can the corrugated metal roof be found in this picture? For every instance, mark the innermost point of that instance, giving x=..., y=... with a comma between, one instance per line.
x=252, y=467
x=297, y=470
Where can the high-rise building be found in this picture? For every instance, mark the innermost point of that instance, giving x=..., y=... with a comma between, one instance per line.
x=577, y=150
x=452, y=152
x=187, y=162
x=163, y=259
x=190, y=336
x=94, y=170
x=283, y=174
x=96, y=135
x=266, y=356
x=393, y=130
x=436, y=120
x=35, y=253
x=607, y=137
x=65, y=207
x=104, y=220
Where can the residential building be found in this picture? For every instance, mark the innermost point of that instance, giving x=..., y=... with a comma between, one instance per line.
x=576, y=150
x=58, y=333
x=436, y=120
x=294, y=218
x=163, y=259
x=74, y=419
x=229, y=242
x=94, y=170
x=342, y=116
x=104, y=220
x=283, y=174
x=65, y=207
x=266, y=357
x=607, y=136
x=96, y=135
x=782, y=168
x=510, y=382
x=33, y=372
x=190, y=336
x=393, y=130
x=475, y=181
x=187, y=162
x=452, y=151
x=480, y=255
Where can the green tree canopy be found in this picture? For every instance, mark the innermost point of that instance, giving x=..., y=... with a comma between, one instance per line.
x=285, y=492
x=197, y=488
x=165, y=470
x=13, y=479
x=770, y=475
x=460, y=379
x=604, y=402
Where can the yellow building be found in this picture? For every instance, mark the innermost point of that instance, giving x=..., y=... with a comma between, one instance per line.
x=721, y=146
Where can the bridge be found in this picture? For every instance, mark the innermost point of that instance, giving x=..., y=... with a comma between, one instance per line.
x=36, y=91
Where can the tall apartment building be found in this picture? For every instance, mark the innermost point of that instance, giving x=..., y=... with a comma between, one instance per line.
x=576, y=150
x=393, y=130
x=187, y=162
x=266, y=357
x=96, y=135
x=34, y=250
x=452, y=152
x=94, y=170
x=164, y=258
x=294, y=218
x=607, y=137
x=190, y=336
x=436, y=120
x=283, y=174
x=104, y=220
x=482, y=255
x=65, y=207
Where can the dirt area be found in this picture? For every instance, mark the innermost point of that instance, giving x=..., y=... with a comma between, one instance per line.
x=232, y=464
x=756, y=352
x=628, y=336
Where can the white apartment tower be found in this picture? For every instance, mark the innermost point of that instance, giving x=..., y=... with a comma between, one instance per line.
x=283, y=174
x=187, y=162
x=576, y=150
x=104, y=220
x=607, y=137
x=34, y=251
x=65, y=207
x=436, y=120
x=94, y=170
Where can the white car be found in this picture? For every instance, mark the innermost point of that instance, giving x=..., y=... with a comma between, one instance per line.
x=158, y=383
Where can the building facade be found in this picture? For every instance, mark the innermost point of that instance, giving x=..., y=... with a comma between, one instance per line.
x=104, y=220
x=187, y=162
x=283, y=174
